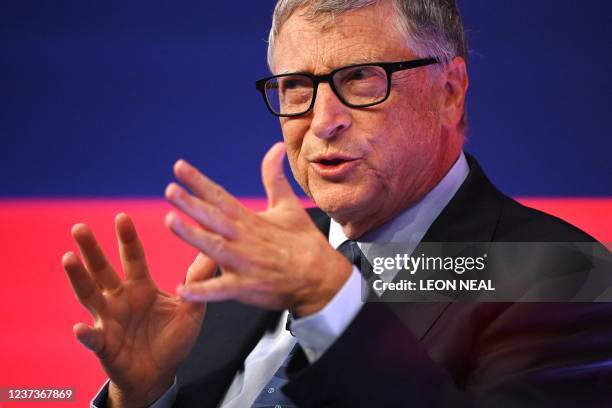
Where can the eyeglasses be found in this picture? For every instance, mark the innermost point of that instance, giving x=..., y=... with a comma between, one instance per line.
x=357, y=86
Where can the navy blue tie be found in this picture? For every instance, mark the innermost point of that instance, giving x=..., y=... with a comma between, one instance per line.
x=352, y=252
x=272, y=396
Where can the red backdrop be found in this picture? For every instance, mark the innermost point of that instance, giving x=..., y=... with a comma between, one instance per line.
x=37, y=305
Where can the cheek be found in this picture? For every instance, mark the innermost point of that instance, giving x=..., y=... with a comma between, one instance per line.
x=293, y=135
x=404, y=140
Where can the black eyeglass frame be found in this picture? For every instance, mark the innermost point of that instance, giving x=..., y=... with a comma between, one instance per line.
x=389, y=67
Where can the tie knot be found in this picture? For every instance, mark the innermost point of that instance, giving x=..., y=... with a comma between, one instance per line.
x=351, y=251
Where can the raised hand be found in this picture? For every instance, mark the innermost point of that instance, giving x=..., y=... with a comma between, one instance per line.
x=276, y=259
x=139, y=334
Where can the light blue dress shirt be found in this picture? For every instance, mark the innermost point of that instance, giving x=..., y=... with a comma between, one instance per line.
x=316, y=333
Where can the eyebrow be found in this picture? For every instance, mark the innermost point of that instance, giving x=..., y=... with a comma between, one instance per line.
x=362, y=60
x=356, y=61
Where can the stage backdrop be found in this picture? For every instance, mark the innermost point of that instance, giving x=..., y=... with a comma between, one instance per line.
x=98, y=99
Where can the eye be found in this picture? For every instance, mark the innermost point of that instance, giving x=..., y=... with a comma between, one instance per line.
x=295, y=82
x=290, y=84
x=359, y=74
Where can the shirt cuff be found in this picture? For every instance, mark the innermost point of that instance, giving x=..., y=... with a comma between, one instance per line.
x=165, y=401
x=317, y=332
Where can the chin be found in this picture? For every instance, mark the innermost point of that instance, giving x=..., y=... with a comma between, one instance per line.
x=341, y=202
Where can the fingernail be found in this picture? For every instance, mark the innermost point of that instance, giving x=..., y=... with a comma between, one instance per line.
x=171, y=220
x=67, y=256
x=182, y=163
x=173, y=191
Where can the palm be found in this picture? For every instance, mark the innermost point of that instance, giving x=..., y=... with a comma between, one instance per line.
x=140, y=334
x=146, y=332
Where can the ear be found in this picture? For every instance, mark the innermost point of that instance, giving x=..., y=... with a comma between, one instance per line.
x=455, y=85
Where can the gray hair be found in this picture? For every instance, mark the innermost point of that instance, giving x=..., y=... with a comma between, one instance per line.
x=433, y=28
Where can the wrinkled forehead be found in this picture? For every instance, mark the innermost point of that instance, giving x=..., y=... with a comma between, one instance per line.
x=319, y=45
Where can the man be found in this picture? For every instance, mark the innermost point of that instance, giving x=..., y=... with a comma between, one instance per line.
x=371, y=98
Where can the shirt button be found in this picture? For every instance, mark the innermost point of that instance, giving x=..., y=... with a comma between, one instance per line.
x=270, y=390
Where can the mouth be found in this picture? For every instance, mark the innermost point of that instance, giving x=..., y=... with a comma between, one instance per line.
x=332, y=162
x=333, y=167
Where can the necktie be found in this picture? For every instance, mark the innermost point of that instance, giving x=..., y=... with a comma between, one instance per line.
x=352, y=252
x=271, y=396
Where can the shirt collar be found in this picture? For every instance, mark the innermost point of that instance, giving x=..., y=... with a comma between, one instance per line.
x=411, y=224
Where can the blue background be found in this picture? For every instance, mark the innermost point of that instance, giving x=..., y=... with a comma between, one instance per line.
x=100, y=98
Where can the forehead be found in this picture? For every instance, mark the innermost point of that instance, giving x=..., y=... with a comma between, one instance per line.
x=322, y=44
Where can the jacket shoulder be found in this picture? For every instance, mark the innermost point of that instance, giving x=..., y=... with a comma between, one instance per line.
x=518, y=222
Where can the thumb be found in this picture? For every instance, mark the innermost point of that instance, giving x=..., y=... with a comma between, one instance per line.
x=277, y=187
x=90, y=337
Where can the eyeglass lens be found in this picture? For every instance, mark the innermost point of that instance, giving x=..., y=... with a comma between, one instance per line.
x=358, y=86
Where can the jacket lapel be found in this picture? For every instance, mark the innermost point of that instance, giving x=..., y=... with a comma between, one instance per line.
x=473, y=212
x=470, y=216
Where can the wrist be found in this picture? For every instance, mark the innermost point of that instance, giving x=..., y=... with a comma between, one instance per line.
x=322, y=293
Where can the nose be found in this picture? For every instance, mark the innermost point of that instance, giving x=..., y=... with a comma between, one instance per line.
x=330, y=116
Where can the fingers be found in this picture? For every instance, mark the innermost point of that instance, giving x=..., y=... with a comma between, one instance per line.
x=213, y=245
x=277, y=187
x=208, y=216
x=90, y=337
x=130, y=249
x=84, y=286
x=207, y=190
x=94, y=258
x=201, y=269
x=225, y=287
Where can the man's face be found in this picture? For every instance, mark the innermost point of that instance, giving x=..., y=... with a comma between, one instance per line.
x=361, y=166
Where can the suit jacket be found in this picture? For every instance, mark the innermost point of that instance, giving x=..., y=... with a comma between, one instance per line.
x=433, y=354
